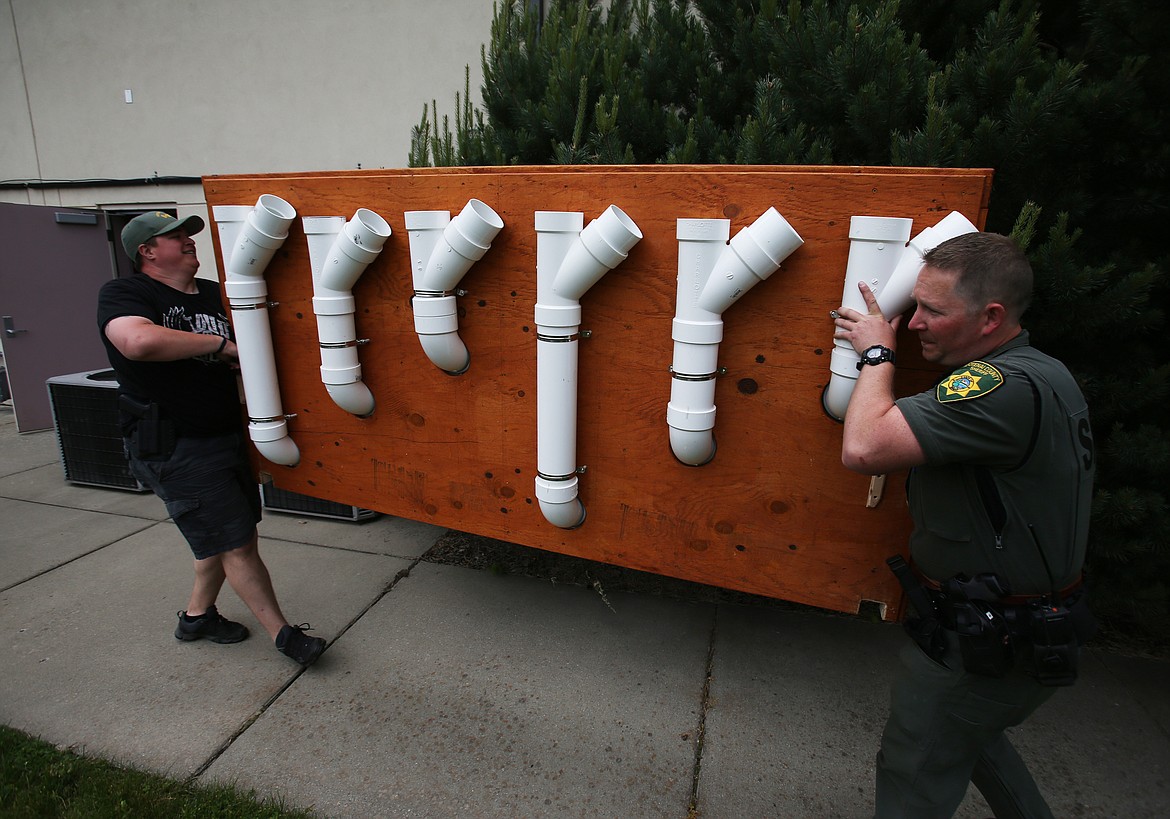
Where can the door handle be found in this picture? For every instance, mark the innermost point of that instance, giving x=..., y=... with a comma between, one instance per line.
x=10, y=329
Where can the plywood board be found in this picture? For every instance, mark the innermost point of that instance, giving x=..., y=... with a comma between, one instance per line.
x=774, y=513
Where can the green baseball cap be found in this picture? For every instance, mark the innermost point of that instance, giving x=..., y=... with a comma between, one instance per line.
x=141, y=228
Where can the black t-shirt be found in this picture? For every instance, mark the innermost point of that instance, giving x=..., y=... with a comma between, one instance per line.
x=199, y=394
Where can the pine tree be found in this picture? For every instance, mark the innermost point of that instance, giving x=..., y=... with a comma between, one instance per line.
x=1063, y=100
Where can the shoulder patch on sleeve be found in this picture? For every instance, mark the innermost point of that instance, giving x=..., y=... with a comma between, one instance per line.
x=973, y=380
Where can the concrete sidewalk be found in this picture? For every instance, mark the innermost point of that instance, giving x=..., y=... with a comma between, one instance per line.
x=450, y=692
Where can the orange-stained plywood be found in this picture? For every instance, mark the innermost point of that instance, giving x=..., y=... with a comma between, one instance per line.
x=775, y=513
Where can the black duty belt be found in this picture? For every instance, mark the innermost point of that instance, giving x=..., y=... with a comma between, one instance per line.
x=1011, y=599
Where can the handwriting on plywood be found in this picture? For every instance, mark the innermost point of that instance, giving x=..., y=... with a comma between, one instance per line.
x=636, y=522
x=403, y=481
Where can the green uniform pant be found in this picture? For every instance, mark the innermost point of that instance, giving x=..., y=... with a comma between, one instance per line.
x=946, y=729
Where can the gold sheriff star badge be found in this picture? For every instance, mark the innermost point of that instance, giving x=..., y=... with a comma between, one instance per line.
x=972, y=380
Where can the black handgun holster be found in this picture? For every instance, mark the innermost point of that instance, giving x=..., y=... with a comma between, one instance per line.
x=153, y=437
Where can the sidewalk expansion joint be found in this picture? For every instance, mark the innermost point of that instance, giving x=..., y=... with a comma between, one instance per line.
x=704, y=702
x=250, y=721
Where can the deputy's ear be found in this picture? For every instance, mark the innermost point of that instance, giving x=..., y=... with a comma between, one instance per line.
x=994, y=315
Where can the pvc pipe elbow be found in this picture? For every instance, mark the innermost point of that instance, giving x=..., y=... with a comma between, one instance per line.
x=354, y=398
x=564, y=515
x=437, y=324
x=693, y=447
x=271, y=440
x=691, y=418
x=559, y=502
x=447, y=352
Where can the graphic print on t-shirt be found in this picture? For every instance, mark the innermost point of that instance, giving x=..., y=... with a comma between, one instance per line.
x=176, y=317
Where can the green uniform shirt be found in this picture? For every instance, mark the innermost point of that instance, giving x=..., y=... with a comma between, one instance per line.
x=1007, y=483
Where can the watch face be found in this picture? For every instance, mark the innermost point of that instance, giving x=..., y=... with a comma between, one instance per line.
x=875, y=355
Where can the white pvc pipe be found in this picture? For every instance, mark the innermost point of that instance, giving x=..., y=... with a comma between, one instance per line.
x=442, y=250
x=875, y=246
x=558, y=321
x=893, y=288
x=358, y=243
x=601, y=247
x=897, y=294
x=339, y=253
x=249, y=237
x=712, y=274
x=569, y=261
x=752, y=256
x=696, y=333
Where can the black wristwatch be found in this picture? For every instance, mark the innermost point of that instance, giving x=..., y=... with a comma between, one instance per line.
x=877, y=354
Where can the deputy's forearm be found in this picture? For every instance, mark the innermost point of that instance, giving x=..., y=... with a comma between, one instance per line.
x=877, y=439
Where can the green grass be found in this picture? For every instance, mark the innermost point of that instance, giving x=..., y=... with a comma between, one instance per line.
x=38, y=781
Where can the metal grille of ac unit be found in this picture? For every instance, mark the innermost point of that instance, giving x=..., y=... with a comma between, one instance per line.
x=294, y=503
x=85, y=414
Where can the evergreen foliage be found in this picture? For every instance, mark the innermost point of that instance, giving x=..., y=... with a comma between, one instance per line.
x=1062, y=99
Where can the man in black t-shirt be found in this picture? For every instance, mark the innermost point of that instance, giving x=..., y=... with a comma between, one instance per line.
x=170, y=343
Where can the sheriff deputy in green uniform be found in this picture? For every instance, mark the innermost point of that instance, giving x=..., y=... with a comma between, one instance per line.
x=1001, y=460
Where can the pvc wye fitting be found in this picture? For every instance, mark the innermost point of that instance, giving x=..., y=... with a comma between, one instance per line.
x=601, y=246
x=359, y=243
x=897, y=295
x=753, y=255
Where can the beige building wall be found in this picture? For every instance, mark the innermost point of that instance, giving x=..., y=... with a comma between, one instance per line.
x=131, y=89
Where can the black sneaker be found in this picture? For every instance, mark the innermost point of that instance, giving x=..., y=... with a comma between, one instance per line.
x=211, y=625
x=293, y=642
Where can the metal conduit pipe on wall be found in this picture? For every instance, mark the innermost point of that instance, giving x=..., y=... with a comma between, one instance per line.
x=339, y=252
x=248, y=238
x=569, y=261
x=442, y=250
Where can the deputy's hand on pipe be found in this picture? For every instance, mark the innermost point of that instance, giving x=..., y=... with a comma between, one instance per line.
x=863, y=330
